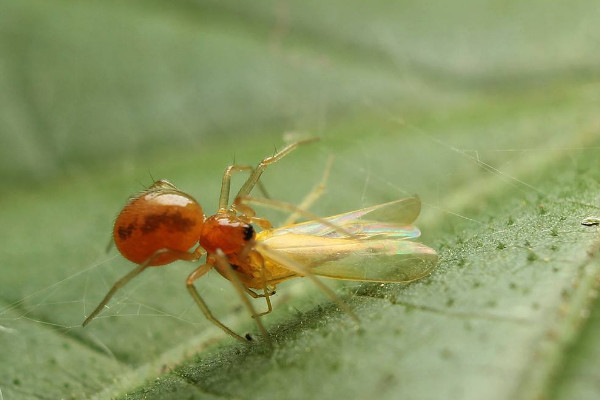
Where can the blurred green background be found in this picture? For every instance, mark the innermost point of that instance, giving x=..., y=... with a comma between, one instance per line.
x=489, y=110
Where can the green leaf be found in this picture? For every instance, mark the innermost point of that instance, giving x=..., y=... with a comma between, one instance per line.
x=489, y=111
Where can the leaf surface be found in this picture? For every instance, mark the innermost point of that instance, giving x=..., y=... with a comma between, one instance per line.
x=487, y=111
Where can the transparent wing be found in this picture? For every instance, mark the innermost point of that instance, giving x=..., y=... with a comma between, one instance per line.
x=379, y=260
x=391, y=220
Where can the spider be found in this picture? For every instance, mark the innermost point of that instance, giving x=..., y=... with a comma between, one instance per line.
x=163, y=224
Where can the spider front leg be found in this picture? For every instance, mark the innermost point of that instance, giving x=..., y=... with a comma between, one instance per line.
x=224, y=266
x=249, y=215
x=197, y=273
x=226, y=184
x=255, y=176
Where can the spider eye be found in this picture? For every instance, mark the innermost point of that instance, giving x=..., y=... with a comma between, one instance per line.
x=249, y=233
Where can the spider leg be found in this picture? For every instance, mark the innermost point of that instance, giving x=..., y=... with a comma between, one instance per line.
x=182, y=255
x=225, y=266
x=255, y=176
x=226, y=184
x=313, y=195
x=197, y=273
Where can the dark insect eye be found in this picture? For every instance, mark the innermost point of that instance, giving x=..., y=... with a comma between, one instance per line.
x=249, y=232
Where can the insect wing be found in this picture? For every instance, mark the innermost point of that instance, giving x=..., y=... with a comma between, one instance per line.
x=382, y=260
x=367, y=222
x=378, y=260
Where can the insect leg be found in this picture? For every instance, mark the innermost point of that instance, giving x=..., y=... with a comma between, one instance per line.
x=255, y=295
x=300, y=269
x=255, y=176
x=265, y=289
x=267, y=293
x=313, y=196
x=226, y=184
x=224, y=265
x=136, y=271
